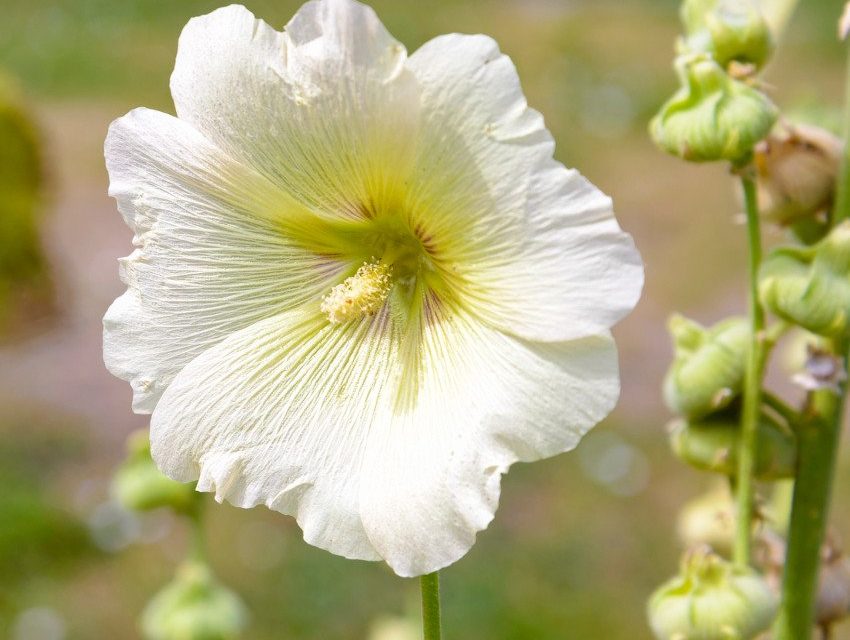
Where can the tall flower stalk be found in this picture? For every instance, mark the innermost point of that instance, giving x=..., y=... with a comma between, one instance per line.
x=819, y=434
x=431, y=617
x=722, y=113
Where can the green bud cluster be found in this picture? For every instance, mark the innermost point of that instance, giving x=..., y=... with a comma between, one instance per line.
x=718, y=113
x=703, y=385
x=727, y=423
x=711, y=599
x=139, y=485
x=194, y=606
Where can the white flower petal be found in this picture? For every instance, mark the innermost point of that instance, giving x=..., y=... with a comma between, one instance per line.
x=381, y=444
x=279, y=414
x=535, y=247
x=325, y=109
x=432, y=477
x=210, y=256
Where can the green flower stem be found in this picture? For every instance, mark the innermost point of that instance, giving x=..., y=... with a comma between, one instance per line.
x=744, y=487
x=818, y=440
x=197, y=548
x=430, y=585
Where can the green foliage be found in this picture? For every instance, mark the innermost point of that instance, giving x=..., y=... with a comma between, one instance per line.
x=38, y=534
x=21, y=191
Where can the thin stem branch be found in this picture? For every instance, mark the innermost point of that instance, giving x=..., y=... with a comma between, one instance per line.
x=431, y=626
x=786, y=412
x=744, y=486
x=841, y=211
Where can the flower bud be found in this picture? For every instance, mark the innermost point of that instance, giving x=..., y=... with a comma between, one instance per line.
x=711, y=599
x=810, y=286
x=712, y=116
x=712, y=445
x=194, y=606
x=139, y=485
x=796, y=170
x=708, y=519
x=708, y=365
x=728, y=30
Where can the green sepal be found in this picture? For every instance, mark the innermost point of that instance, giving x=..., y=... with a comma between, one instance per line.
x=810, y=286
x=712, y=444
x=708, y=365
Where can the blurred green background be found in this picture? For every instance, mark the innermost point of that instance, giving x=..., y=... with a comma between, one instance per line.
x=579, y=541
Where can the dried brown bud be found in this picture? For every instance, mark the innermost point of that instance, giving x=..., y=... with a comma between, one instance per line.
x=797, y=167
x=833, y=598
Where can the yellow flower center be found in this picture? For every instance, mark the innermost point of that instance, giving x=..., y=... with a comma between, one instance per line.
x=362, y=294
x=400, y=264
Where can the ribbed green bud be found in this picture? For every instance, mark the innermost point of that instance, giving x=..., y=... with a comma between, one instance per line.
x=712, y=116
x=728, y=30
x=708, y=365
x=194, y=606
x=810, y=286
x=711, y=599
x=712, y=445
x=139, y=485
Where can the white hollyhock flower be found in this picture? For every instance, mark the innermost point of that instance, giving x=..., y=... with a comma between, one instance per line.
x=362, y=288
